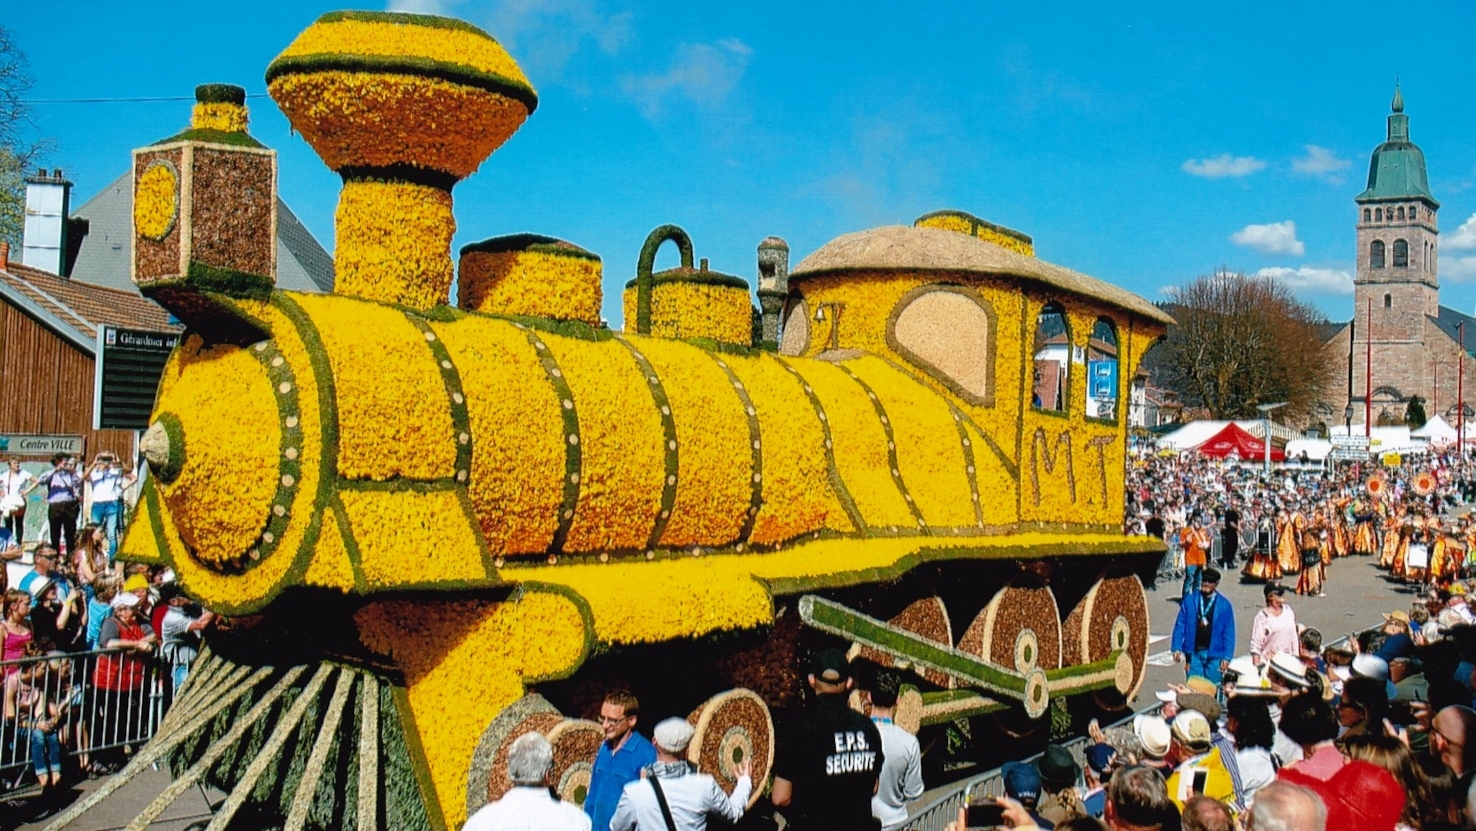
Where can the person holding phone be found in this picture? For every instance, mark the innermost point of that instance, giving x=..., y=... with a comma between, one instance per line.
x=108, y=482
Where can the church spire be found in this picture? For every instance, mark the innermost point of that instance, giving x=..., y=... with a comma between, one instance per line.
x=1398, y=104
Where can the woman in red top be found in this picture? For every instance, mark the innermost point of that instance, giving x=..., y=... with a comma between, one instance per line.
x=120, y=694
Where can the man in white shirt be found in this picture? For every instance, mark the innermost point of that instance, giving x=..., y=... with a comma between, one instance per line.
x=672, y=794
x=108, y=482
x=901, y=775
x=13, y=482
x=529, y=806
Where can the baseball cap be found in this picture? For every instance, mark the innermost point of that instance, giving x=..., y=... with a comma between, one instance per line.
x=673, y=735
x=1021, y=781
x=1099, y=756
x=135, y=582
x=831, y=666
x=1273, y=588
x=1210, y=575
x=124, y=599
x=1153, y=733
x=1193, y=729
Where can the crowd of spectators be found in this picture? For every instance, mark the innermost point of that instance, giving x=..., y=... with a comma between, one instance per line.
x=92, y=648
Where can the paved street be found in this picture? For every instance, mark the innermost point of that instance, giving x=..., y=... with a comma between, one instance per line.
x=1357, y=594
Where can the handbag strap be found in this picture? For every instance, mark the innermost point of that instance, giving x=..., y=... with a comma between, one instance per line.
x=661, y=800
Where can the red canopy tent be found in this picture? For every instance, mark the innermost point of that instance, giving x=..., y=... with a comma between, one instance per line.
x=1234, y=440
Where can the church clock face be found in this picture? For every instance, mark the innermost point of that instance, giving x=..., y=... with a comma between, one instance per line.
x=156, y=200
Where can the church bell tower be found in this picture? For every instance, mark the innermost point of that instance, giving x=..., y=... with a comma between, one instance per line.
x=1396, y=287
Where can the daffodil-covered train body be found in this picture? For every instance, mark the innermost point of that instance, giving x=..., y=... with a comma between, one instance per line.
x=493, y=512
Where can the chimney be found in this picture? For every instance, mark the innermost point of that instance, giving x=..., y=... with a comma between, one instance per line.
x=48, y=203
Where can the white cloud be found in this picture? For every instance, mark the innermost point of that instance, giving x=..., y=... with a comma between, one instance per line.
x=1276, y=238
x=1321, y=163
x=1224, y=165
x=1311, y=280
x=1464, y=238
x=703, y=72
x=1458, y=269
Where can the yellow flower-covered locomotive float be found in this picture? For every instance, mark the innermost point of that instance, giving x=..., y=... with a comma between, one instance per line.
x=441, y=527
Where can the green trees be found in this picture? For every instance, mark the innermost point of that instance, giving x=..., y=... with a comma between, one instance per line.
x=1241, y=341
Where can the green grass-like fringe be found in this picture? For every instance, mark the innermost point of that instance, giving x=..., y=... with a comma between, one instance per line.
x=529, y=242
x=404, y=65
x=221, y=94
x=213, y=137
x=695, y=276
x=669, y=447
x=429, y=21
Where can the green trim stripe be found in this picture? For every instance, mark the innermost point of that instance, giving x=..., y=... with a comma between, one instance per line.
x=756, y=451
x=289, y=461
x=327, y=420
x=350, y=543
x=456, y=73
x=669, y=443
x=573, y=453
x=836, y=482
x=971, y=469
x=455, y=394
x=836, y=619
x=886, y=424
x=1009, y=464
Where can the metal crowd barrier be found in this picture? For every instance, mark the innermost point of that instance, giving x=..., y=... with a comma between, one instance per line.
x=102, y=700
x=936, y=815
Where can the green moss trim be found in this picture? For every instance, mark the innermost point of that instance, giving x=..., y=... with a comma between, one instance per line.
x=350, y=543
x=229, y=281
x=669, y=446
x=529, y=242
x=577, y=329
x=429, y=21
x=695, y=277
x=213, y=137
x=585, y=614
x=220, y=94
x=455, y=397
x=399, y=485
x=976, y=223
x=892, y=461
x=174, y=431
x=399, y=173
x=926, y=553
x=712, y=345
x=327, y=419
x=212, y=316
x=837, y=484
x=404, y=762
x=455, y=73
x=836, y=619
x=1004, y=459
x=573, y=453
x=755, y=448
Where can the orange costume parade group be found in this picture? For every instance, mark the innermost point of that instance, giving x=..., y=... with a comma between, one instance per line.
x=1413, y=543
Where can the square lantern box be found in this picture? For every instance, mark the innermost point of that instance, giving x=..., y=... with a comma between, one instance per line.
x=205, y=217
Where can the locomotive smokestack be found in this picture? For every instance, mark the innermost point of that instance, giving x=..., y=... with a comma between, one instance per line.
x=773, y=286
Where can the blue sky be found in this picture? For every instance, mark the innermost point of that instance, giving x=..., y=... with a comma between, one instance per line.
x=1145, y=143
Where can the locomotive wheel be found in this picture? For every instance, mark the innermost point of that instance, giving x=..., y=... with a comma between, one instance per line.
x=927, y=618
x=575, y=742
x=1112, y=616
x=487, y=780
x=731, y=727
x=1019, y=629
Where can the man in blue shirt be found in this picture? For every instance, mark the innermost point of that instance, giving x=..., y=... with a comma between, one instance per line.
x=620, y=759
x=1204, y=632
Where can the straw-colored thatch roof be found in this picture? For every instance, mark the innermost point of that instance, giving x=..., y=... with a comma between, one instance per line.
x=900, y=248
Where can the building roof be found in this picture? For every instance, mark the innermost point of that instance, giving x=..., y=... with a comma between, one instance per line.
x=1447, y=321
x=901, y=248
x=74, y=310
x=1397, y=168
x=106, y=255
